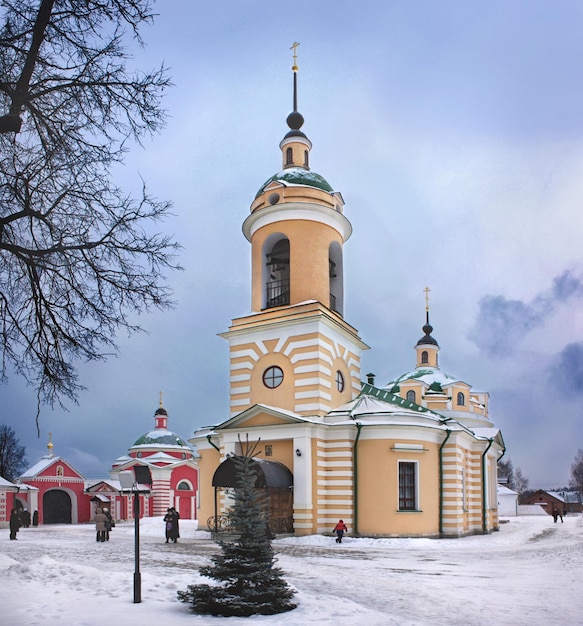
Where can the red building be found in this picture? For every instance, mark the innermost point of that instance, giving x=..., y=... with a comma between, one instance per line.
x=62, y=495
x=173, y=467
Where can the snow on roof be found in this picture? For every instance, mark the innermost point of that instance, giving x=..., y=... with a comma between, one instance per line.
x=501, y=490
x=161, y=438
x=298, y=176
x=427, y=375
x=366, y=405
x=7, y=483
x=37, y=468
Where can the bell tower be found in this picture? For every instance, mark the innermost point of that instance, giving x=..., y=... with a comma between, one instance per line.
x=295, y=351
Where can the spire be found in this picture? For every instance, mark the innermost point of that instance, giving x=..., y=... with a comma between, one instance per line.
x=50, y=445
x=427, y=327
x=295, y=119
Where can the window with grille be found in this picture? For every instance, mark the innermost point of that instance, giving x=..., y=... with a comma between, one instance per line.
x=407, y=486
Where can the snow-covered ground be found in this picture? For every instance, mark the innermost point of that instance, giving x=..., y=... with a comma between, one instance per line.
x=528, y=573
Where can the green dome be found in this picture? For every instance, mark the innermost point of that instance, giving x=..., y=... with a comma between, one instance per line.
x=298, y=176
x=161, y=438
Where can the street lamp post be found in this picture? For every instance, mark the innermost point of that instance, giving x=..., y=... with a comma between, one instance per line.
x=130, y=480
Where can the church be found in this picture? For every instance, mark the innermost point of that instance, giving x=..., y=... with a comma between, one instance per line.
x=415, y=457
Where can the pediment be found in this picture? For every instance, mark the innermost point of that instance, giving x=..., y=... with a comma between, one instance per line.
x=262, y=415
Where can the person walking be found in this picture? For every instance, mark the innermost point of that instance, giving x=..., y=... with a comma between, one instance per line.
x=340, y=529
x=100, y=519
x=169, y=524
x=109, y=523
x=15, y=523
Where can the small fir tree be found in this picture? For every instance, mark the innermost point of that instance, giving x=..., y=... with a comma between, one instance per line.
x=250, y=582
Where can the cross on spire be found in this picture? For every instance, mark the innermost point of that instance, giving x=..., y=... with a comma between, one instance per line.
x=294, y=47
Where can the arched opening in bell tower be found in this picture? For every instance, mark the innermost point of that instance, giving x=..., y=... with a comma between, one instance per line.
x=276, y=271
x=336, y=278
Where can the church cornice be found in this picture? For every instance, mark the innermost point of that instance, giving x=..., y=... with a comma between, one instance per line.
x=294, y=211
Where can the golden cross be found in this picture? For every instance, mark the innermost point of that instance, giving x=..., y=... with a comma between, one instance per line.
x=294, y=48
x=427, y=290
x=161, y=400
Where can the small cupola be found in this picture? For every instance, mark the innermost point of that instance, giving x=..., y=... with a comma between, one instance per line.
x=161, y=417
x=427, y=348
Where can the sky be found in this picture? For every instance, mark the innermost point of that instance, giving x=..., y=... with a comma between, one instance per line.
x=528, y=574
x=453, y=130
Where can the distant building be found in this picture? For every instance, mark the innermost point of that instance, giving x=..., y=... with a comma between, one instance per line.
x=62, y=495
x=507, y=502
x=60, y=498
x=173, y=467
x=416, y=457
x=565, y=501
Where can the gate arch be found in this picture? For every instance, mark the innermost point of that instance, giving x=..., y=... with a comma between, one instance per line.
x=57, y=507
x=274, y=477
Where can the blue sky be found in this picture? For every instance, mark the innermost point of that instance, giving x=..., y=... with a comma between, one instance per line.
x=453, y=130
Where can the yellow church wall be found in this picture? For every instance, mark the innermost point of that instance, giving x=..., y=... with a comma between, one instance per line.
x=282, y=396
x=207, y=464
x=332, y=484
x=378, y=489
x=309, y=361
x=309, y=254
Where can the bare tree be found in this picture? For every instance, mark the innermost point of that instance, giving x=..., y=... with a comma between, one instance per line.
x=12, y=454
x=516, y=480
x=577, y=472
x=78, y=255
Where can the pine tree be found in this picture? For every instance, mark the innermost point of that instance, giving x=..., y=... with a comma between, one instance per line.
x=251, y=584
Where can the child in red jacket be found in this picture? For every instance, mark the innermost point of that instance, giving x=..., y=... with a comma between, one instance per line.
x=340, y=529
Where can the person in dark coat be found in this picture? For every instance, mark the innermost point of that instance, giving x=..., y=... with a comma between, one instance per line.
x=171, y=521
x=109, y=523
x=100, y=520
x=340, y=529
x=176, y=518
x=35, y=518
x=25, y=518
x=15, y=523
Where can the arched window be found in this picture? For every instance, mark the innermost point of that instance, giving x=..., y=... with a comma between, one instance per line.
x=183, y=486
x=277, y=279
x=411, y=395
x=425, y=357
x=306, y=159
x=461, y=399
x=289, y=157
x=339, y=381
x=60, y=471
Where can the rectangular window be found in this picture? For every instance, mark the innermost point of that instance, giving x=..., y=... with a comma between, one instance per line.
x=407, y=486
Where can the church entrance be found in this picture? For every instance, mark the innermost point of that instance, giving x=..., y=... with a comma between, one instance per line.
x=56, y=507
x=277, y=481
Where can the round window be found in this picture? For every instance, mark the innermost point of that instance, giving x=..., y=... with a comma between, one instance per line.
x=273, y=377
x=339, y=381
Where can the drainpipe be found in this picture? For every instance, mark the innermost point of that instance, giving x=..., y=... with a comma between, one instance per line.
x=208, y=438
x=484, y=521
x=355, y=479
x=448, y=433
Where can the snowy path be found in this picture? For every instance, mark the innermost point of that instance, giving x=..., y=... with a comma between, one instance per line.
x=527, y=574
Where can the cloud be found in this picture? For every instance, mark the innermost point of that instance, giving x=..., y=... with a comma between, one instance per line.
x=567, y=371
x=501, y=324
